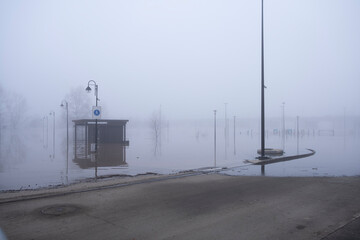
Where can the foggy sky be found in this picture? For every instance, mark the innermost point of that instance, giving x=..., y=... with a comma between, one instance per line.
x=189, y=56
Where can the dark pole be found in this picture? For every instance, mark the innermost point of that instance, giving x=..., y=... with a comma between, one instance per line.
x=96, y=137
x=234, y=135
x=225, y=131
x=96, y=132
x=53, y=114
x=214, y=138
x=262, y=84
x=44, y=132
x=67, y=134
x=54, y=137
x=67, y=138
x=47, y=132
x=88, y=89
x=283, y=127
x=297, y=134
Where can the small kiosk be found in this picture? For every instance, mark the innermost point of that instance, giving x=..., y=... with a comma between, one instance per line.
x=111, y=142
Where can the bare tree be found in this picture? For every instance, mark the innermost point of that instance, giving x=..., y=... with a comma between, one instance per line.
x=79, y=103
x=12, y=117
x=16, y=109
x=155, y=125
x=12, y=110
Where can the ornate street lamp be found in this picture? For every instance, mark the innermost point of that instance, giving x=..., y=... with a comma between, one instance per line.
x=53, y=114
x=66, y=105
x=88, y=89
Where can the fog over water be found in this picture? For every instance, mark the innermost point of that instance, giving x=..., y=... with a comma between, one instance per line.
x=27, y=157
x=165, y=66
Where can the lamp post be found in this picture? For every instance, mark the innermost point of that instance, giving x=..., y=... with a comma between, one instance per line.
x=262, y=86
x=88, y=89
x=47, y=132
x=226, y=131
x=283, y=127
x=297, y=134
x=234, y=135
x=43, y=131
x=53, y=114
x=45, y=135
x=214, y=138
x=67, y=133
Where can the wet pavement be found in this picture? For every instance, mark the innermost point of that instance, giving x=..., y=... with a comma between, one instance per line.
x=203, y=206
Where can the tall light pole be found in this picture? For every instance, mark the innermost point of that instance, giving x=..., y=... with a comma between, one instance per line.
x=214, y=138
x=225, y=131
x=297, y=134
x=344, y=127
x=262, y=85
x=160, y=128
x=47, y=132
x=283, y=126
x=44, y=132
x=53, y=114
x=234, y=135
x=67, y=133
x=88, y=89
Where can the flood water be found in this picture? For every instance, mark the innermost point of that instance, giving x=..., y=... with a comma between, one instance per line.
x=30, y=159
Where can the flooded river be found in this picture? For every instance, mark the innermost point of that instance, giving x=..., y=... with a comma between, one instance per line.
x=35, y=159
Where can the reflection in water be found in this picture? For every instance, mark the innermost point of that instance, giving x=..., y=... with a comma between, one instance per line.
x=112, y=143
x=109, y=155
x=24, y=163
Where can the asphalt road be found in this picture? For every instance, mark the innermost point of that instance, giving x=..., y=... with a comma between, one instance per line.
x=197, y=207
